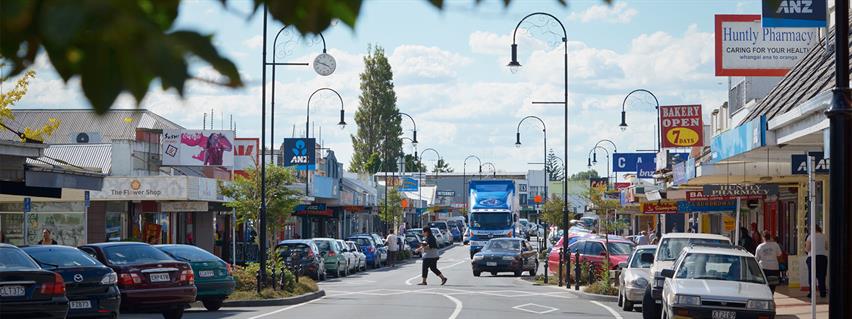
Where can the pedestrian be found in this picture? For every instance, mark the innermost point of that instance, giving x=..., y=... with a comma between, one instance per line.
x=755, y=235
x=745, y=240
x=643, y=238
x=429, y=251
x=817, y=247
x=393, y=248
x=46, y=238
x=767, y=254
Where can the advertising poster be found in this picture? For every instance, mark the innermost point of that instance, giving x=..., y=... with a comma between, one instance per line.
x=198, y=148
x=660, y=207
x=599, y=184
x=300, y=153
x=246, y=154
x=794, y=14
x=682, y=125
x=745, y=48
x=153, y=234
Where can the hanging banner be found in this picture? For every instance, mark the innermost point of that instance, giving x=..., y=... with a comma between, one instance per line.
x=198, y=148
x=794, y=13
x=300, y=153
x=682, y=125
x=745, y=48
x=661, y=207
x=706, y=206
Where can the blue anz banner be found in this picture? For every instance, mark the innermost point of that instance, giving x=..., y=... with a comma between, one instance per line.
x=643, y=164
x=300, y=153
x=794, y=13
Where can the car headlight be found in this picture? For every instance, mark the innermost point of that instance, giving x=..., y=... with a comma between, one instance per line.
x=639, y=282
x=477, y=257
x=687, y=300
x=109, y=279
x=508, y=258
x=760, y=304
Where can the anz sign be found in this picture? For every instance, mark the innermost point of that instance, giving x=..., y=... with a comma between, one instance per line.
x=794, y=13
x=300, y=153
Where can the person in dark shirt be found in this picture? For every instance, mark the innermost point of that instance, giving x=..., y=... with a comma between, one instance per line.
x=429, y=249
x=46, y=238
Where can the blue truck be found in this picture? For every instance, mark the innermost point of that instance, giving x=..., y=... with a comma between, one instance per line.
x=491, y=212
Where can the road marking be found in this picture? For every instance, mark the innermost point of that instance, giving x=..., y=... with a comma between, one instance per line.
x=458, y=308
x=286, y=308
x=547, y=308
x=409, y=283
x=612, y=311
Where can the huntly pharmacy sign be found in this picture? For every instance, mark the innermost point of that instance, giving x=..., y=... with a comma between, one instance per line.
x=716, y=192
x=745, y=48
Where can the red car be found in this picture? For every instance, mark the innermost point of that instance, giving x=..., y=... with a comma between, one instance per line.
x=148, y=279
x=593, y=250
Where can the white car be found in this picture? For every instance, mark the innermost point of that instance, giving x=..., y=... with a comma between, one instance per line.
x=441, y=237
x=634, y=276
x=716, y=282
x=362, y=258
x=351, y=257
x=668, y=250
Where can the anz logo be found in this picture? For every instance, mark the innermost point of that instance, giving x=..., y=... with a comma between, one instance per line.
x=300, y=153
x=795, y=6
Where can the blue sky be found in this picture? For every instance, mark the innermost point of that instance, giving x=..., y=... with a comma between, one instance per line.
x=450, y=74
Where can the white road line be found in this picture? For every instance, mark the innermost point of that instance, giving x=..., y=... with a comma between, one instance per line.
x=286, y=308
x=612, y=311
x=409, y=283
x=458, y=308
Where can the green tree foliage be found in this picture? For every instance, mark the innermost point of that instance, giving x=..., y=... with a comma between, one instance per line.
x=555, y=172
x=245, y=192
x=584, y=175
x=552, y=211
x=442, y=167
x=412, y=165
x=378, y=120
x=393, y=212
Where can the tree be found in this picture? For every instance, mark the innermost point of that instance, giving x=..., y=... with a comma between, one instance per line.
x=280, y=200
x=554, y=167
x=378, y=119
x=551, y=211
x=8, y=99
x=584, y=175
x=412, y=165
x=603, y=206
x=393, y=213
x=442, y=167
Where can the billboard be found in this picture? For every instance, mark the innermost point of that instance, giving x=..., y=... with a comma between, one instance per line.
x=198, y=148
x=745, y=48
x=494, y=194
x=246, y=154
x=300, y=153
x=409, y=184
x=682, y=125
x=794, y=13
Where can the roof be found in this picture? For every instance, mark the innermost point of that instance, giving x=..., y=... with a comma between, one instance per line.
x=695, y=235
x=814, y=74
x=733, y=251
x=96, y=157
x=115, y=243
x=117, y=124
x=646, y=247
x=295, y=241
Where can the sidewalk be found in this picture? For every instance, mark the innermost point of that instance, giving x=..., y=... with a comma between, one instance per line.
x=793, y=303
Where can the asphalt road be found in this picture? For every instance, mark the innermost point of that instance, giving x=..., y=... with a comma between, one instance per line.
x=393, y=293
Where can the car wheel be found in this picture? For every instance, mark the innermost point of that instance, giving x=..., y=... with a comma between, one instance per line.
x=534, y=270
x=476, y=273
x=212, y=304
x=620, y=298
x=174, y=313
x=626, y=305
x=494, y=273
x=650, y=309
x=519, y=273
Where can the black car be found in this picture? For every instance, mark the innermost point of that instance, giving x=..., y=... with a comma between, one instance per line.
x=89, y=285
x=505, y=255
x=305, y=254
x=27, y=290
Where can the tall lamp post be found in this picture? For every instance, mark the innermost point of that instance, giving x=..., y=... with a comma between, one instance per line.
x=342, y=125
x=420, y=168
x=593, y=153
x=623, y=125
x=464, y=177
x=518, y=144
x=493, y=169
x=514, y=65
x=614, y=150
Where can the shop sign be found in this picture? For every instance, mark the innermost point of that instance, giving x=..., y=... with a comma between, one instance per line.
x=598, y=183
x=246, y=155
x=323, y=213
x=409, y=184
x=706, y=206
x=634, y=162
x=184, y=206
x=198, y=148
x=312, y=207
x=622, y=185
x=738, y=140
x=745, y=48
x=733, y=191
x=799, y=163
x=445, y=193
x=143, y=188
x=300, y=153
x=660, y=207
x=682, y=125
x=794, y=13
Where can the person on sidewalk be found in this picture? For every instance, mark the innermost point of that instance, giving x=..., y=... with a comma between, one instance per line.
x=393, y=248
x=817, y=247
x=46, y=238
x=429, y=249
x=643, y=238
x=767, y=254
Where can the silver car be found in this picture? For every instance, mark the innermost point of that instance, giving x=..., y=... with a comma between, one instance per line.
x=361, y=263
x=351, y=258
x=634, y=276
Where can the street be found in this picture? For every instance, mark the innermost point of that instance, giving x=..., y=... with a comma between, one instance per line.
x=394, y=293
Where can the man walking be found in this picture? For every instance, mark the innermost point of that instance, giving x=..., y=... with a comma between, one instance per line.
x=429, y=251
x=817, y=248
x=767, y=254
x=393, y=248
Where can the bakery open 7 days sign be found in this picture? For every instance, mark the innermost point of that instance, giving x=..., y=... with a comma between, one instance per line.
x=682, y=125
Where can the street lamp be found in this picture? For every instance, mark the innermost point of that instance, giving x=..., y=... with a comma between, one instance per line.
x=464, y=176
x=592, y=153
x=518, y=144
x=513, y=66
x=420, y=168
x=342, y=124
x=414, y=134
x=623, y=125
x=614, y=150
x=493, y=169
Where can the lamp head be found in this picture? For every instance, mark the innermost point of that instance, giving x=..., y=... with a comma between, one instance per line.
x=518, y=140
x=342, y=123
x=414, y=140
x=594, y=157
x=514, y=65
x=589, y=165
x=623, y=125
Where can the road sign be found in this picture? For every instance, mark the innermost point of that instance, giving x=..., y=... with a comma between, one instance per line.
x=28, y=204
x=87, y=198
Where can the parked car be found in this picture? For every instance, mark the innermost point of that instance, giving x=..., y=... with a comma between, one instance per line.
x=716, y=282
x=413, y=242
x=332, y=254
x=553, y=253
x=361, y=261
x=213, y=276
x=369, y=248
x=148, y=279
x=458, y=222
x=441, y=237
x=303, y=253
x=440, y=224
x=28, y=290
x=593, y=251
x=382, y=247
x=668, y=250
x=457, y=235
x=89, y=285
x=466, y=238
x=634, y=276
x=351, y=258
x=505, y=255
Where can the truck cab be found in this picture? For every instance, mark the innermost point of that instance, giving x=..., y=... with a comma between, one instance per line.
x=491, y=205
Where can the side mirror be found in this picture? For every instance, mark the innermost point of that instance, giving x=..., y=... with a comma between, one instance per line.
x=622, y=265
x=603, y=253
x=668, y=273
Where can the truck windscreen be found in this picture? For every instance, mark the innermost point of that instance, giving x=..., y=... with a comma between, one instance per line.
x=490, y=220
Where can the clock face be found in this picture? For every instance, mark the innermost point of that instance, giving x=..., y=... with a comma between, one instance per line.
x=324, y=64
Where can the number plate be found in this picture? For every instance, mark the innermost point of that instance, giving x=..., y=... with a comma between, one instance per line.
x=491, y=264
x=12, y=291
x=80, y=304
x=722, y=314
x=205, y=273
x=161, y=277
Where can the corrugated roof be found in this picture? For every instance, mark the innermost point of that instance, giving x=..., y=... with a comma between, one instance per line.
x=813, y=75
x=96, y=157
x=114, y=125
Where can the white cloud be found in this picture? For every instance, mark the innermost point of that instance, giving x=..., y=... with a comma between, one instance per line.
x=254, y=42
x=616, y=13
x=417, y=62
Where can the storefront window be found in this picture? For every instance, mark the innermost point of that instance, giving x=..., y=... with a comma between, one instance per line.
x=12, y=228
x=63, y=219
x=115, y=221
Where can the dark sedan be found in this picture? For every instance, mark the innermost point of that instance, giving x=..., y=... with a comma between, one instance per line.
x=305, y=254
x=148, y=279
x=26, y=290
x=505, y=255
x=90, y=286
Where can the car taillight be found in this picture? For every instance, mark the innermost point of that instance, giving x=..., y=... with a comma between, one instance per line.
x=187, y=276
x=129, y=279
x=310, y=253
x=228, y=269
x=55, y=288
x=331, y=254
x=372, y=249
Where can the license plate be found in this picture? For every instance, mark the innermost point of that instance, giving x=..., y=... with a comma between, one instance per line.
x=12, y=291
x=491, y=264
x=205, y=273
x=161, y=277
x=723, y=314
x=80, y=304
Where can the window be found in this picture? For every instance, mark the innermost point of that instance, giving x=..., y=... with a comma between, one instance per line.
x=61, y=257
x=134, y=254
x=189, y=253
x=720, y=267
x=636, y=262
x=510, y=245
x=670, y=248
x=594, y=248
x=14, y=259
x=620, y=248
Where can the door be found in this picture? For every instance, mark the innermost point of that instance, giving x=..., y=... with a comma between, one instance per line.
x=594, y=253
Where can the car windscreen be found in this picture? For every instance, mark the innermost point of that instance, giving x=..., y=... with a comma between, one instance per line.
x=490, y=220
x=134, y=254
x=670, y=248
x=189, y=253
x=720, y=267
x=620, y=248
x=62, y=257
x=325, y=245
x=362, y=241
x=14, y=259
x=503, y=245
x=637, y=259
x=442, y=226
x=291, y=248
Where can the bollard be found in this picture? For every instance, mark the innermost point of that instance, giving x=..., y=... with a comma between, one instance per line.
x=257, y=280
x=273, y=277
x=568, y=270
x=560, y=267
x=591, y=274
x=577, y=271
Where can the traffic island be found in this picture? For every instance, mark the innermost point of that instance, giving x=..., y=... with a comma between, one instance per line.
x=275, y=301
x=595, y=291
